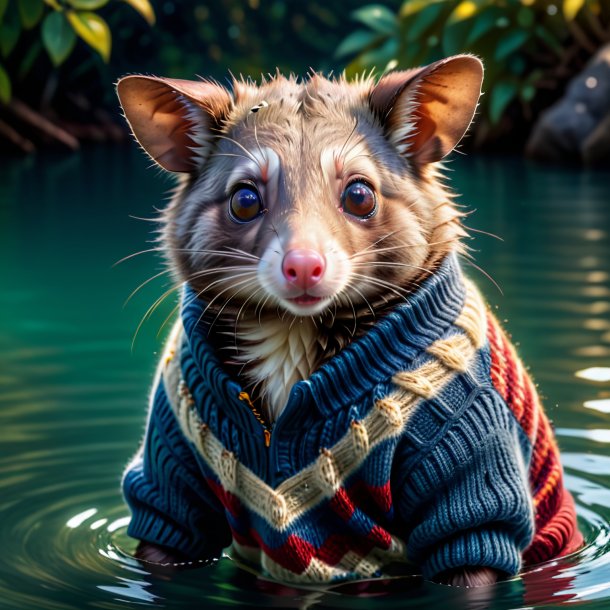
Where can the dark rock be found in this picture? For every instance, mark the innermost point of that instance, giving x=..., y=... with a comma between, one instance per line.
x=596, y=148
x=577, y=127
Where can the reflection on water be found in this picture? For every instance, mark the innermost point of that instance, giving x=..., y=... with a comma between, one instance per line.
x=74, y=392
x=595, y=373
x=601, y=404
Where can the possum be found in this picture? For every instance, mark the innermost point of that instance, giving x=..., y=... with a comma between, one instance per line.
x=335, y=397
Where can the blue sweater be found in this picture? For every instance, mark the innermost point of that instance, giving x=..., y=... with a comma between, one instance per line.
x=397, y=450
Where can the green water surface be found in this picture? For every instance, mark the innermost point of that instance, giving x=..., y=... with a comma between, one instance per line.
x=73, y=389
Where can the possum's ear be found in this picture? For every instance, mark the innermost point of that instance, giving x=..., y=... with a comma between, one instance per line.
x=173, y=120
x=426, y=111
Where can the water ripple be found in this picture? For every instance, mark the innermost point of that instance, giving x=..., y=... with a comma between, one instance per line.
x=72, y=406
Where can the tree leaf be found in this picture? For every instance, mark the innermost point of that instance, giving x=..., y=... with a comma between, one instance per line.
x=144, y=8
x=422, y=21
x=5, y=86
x=526, y=17
x=10, y=30
x=464, y=10
x=380, y=56
x=571, y=8
x=87, y=5
x=501, y=96
x=93, y=30
x=58, y=37
x=528, y=92
x=454, y=37
x=356, y=42
x=30, y=58
x=377, y=17
x=414, y=6
x=485, y=22
x=550, y=40
x=3, y=5
x=509, y=43
x=30, y=11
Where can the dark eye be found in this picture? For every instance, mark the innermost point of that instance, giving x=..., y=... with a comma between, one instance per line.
x=245, y=204
x=358, y=199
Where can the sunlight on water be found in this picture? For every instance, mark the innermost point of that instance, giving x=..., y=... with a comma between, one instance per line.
x=72, y=409
x=598, y=436
x=602, y=405
x=81, y=518
x=595, y=373
x=118, y=523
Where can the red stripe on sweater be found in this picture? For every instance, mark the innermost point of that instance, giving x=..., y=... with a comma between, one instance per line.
x=555, y=517
x=295, y=554
x=230, y=502
x=558, y=536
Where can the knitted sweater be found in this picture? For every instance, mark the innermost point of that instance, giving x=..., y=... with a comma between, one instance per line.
x=423, y=442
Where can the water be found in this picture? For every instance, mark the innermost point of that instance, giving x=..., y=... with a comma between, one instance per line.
x=73, y=398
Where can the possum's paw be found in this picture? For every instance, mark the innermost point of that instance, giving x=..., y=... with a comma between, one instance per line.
x=159, y=555
x=469, y=577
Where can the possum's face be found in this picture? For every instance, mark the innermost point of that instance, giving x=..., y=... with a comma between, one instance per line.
x=307, y=196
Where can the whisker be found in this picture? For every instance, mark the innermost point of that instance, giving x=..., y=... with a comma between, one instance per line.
x=126, y=258
x=151, y=310
x=217, y=296
x=235, y=253
x=238, y=144
x=218, y=270
x=349, y=137
x=390, y=264
x=224, y=279
x=470, y=262
x=200, y=293
x=383, y=284
x=378, y=241
x=260, y=150
x=248, y=254
x=260, y=311
x=155, y=220
x=482, y=232
x=150, y=279
x=351, y=303
x=260, y=289
x=364, y=299
x=401, y=247
x=243, y=283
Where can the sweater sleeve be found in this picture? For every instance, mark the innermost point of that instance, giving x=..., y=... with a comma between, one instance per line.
x=468, y=497
x=170, y=501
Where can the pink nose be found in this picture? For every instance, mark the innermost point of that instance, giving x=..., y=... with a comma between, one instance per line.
x=303, y=268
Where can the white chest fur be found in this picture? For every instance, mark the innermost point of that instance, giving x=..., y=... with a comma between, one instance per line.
x=280, y=353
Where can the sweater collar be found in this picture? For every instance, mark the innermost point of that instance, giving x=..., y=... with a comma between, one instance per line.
x=389, y=346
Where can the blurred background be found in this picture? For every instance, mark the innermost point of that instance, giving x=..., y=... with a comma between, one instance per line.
x=547, y=62
x=85, y=305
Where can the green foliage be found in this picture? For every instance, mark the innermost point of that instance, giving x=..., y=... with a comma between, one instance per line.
x=58, y=37
x=59, y=23
x=5, y=86
x=10, y=29
x=144, y=8
x=30, y=12
x=520, y=41
x=93, y=30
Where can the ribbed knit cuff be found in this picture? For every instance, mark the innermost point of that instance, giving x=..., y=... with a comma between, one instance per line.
x=149, y=526
x=491, y=548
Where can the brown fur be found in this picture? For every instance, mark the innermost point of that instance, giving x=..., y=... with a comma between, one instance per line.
x=302, y=143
